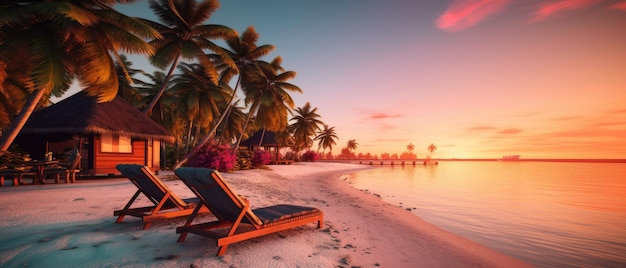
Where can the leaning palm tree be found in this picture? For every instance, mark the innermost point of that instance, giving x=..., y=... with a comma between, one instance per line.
x=326, y=138
x=57, y=42
x=306, y=124
x=246, y=54
x=232, y=126
x=184, y=36
x=148, y=89
x=198, y=98
x=12, y=93
x=268, y=97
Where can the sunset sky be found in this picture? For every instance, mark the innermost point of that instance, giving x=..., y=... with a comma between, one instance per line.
x=478, y=78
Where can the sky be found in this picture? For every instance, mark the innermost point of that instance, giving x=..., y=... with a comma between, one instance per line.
x=477, y=78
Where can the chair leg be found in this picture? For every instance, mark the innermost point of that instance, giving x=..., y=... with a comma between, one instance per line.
x=67, y=177
x=222, y=250
x=120, y=218
x=14, y=179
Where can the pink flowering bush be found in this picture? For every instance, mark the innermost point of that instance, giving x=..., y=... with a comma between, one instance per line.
x=214, y=156
x=260, y=158
x=309, y=156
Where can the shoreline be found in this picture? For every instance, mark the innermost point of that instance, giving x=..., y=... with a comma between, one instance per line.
x=44, y=228
x=403, y=238
x=419, y=161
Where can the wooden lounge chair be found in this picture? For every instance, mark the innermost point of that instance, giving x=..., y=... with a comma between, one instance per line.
x=235, y=220
x=166, y=204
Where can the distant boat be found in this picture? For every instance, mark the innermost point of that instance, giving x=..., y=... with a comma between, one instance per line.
x=511, y=157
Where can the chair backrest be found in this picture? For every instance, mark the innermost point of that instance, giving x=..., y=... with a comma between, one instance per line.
x=149, y=184
x=75, y=162
x=212, y=189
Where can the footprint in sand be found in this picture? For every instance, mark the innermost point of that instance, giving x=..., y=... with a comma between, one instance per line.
x=168, y=257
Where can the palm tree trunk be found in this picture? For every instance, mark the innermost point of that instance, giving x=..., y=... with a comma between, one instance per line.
x=156, y=98
x=262, y=137
x=245, y=126
x=196, y=135
x=223, y=115
x=19, y=121
x=188, y=136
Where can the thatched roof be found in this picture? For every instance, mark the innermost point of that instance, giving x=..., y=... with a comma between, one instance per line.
x=268, y=139
x=82, y=114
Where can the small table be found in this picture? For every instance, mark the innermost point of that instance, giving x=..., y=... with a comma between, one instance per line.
x=41, y=165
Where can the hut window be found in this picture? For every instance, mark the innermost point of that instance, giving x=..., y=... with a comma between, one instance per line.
x=112, y=143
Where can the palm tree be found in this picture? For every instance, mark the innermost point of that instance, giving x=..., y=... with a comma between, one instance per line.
x=147, y=90
x=352, y=145
x=432, y=148
x=410, y=147
x=245, y=53
x=125, y=77
x=268, y=97
x=232, y=126
x=12, y=93
x=266, y=93
x=58, y=41
x=185, y=37
x=198, y=98
x=305, y=126
x=326, y=139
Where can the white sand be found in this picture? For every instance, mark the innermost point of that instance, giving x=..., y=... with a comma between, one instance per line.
x=73, y=225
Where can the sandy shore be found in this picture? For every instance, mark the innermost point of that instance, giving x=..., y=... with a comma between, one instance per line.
x=73, y=225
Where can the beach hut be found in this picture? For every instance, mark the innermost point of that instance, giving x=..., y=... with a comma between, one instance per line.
x=269, y=144
x=105, y=133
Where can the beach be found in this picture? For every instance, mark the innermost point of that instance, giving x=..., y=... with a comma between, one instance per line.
x=66, y=225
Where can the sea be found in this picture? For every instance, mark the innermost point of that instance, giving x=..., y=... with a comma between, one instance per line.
x=549, y=214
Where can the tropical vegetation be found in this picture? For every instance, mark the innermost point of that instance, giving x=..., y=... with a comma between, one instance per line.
x=208, y=96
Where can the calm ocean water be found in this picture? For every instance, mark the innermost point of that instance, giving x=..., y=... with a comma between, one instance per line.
x=548, y=214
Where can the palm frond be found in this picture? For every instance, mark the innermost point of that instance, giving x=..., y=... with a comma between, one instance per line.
x=166, y=54
x=290, y=87
x=74, y=12
x=139, y=27
x=201, y=12
x=50, y=62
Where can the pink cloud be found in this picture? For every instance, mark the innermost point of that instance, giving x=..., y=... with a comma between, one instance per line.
x=382, y=116
x=620, y=6
x=463, y=14
x=481, y=128
x=547, y=9
x=510, y=131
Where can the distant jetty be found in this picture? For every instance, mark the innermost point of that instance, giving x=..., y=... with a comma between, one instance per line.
x=511, y=157
x=401, y=163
